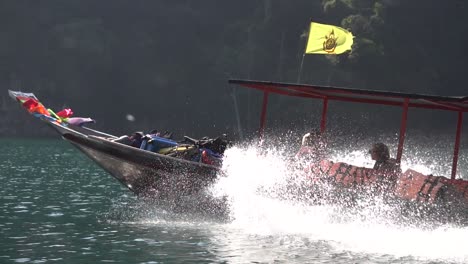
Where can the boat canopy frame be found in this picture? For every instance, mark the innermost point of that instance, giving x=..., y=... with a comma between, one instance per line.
x=457, y=104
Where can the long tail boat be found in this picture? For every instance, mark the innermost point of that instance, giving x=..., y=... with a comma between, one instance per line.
x=167, y=177
x=161, y=169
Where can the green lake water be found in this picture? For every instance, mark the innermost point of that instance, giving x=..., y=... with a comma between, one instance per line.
x=57, y=206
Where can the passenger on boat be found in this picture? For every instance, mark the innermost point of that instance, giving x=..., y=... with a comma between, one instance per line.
x=154, y=132
x=313, y=147
x=133, y=140
x=136, y=139
x=380, y=153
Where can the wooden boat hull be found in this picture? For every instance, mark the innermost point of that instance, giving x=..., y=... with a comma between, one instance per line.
x=142, y=172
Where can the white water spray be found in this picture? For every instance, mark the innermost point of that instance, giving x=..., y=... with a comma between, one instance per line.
x=251, y=170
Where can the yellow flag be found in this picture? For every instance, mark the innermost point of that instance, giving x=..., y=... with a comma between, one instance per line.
x=328, y=39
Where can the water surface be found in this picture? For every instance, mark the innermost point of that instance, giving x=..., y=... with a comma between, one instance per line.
x=58, y=206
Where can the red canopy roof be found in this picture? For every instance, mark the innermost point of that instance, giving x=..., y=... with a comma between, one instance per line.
x=451, y=103
x=405, y=100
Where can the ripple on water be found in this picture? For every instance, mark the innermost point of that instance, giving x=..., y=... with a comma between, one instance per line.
x=22, y=260
x=82, y=215
x=55, y=214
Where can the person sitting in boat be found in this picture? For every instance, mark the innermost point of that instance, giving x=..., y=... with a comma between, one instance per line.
x=133, y=140
x=136, y=139
x=313, y=147
x=380, y=153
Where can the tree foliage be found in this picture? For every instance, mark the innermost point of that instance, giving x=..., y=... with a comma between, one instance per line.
x=167, y=62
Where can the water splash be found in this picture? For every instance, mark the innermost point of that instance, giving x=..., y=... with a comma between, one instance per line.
x=254, y=173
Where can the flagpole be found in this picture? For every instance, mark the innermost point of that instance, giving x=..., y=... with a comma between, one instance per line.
x=300, y=69
x=303, y=56
x=236, y=109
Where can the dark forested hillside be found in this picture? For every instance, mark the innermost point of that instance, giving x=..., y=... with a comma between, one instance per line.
x=167, y=62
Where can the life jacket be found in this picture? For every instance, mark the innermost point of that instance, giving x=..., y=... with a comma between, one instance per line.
x=416, y=186
x=390, y=165
x=347, y=175
x=350, y=176
x=462, y=187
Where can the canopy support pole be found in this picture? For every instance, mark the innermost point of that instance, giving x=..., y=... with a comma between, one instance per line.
x=457, y=145
x=323, y=121
x=263, y=115
x=404, y=118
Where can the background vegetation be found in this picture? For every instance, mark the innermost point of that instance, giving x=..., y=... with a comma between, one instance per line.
x=168, y=62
